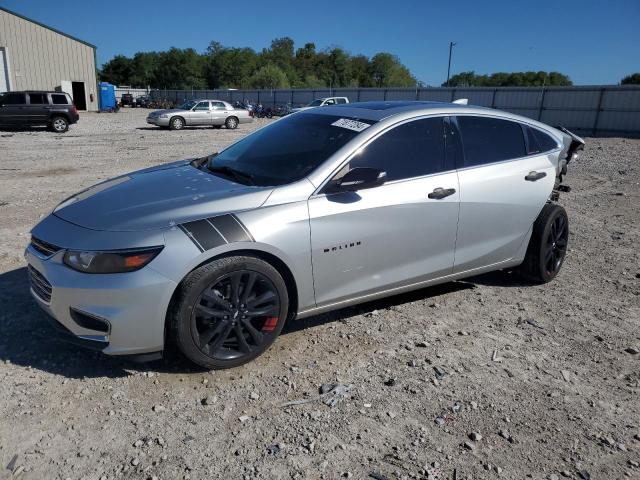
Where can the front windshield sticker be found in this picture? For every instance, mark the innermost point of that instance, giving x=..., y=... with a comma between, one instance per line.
x=354, y=125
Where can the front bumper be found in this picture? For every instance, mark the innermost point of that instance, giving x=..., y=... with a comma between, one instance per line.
x=160, y=122
x=128, y=309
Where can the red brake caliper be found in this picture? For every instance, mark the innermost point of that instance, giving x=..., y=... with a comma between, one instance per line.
x=270, y=324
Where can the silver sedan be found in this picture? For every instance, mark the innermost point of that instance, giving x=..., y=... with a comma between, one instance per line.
x=314, y=212
x=200, y=113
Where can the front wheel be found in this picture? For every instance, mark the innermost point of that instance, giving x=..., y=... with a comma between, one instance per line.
x=231, y=123
x=229, y=312
x=548, y=245
x=176, y=123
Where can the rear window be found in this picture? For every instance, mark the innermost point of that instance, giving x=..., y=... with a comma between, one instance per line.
x=38, y=99
x=487, y=140
x=14, y=99
x=59, y=99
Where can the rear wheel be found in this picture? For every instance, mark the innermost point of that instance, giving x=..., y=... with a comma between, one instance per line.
x=231, y=123
x=176, y=123
x=229, y=312
x=548, y=245
x=59, y=124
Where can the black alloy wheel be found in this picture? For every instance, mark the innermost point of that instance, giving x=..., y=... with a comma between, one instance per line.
x=236, y=315
x=547, y=247
x=555, y=247
x=229, y=311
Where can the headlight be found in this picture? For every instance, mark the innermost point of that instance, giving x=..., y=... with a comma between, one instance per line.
x=116, y=261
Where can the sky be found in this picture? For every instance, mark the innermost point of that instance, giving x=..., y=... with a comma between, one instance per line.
x=594, y=42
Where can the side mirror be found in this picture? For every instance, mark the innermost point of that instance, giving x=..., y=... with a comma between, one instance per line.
x=361, y=178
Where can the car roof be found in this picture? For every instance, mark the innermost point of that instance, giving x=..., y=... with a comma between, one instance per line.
x=32, y=91
x=377, y=111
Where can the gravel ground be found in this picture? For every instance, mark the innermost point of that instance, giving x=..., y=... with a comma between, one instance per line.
x=486, y=378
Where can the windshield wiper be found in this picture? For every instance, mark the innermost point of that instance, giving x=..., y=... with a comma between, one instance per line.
x=233, y=173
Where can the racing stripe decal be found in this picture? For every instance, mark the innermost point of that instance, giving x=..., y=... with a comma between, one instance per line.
x=231, y=228
x=216, y=231
x=203, y=234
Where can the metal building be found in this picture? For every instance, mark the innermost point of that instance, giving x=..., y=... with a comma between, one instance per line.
x=34, y=56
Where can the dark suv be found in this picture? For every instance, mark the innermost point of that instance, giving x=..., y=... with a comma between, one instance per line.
x=22, y=109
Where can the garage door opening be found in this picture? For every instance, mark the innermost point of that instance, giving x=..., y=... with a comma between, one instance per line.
x=4, y=71
x=79, y=98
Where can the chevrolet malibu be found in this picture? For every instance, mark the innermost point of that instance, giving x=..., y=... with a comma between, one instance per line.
x=314, y=212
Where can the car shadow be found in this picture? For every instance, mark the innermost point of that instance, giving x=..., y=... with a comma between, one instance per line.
x=500, y=278
x=382, y=304
x=16, y=129
x=199, y=127
x=29, y=340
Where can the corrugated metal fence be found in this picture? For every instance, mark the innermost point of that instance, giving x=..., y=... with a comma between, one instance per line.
x=593, y=110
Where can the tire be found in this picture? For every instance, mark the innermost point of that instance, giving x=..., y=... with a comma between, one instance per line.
x=548, y=245
x=176, y=123
x=231, y=123
x=208, y=326
x=59, y=124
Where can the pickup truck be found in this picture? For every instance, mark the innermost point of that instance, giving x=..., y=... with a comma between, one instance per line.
x=322, y=102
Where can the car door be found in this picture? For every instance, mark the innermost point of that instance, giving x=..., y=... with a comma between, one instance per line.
x=12, y=109
x=37, y=108
x=503, y=187
x=218, y=113
x=200, y=114
x=394, y=234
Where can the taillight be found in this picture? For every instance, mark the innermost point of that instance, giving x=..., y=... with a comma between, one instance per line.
x=74, y=110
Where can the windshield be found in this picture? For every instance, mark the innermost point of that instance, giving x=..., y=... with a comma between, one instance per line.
x=315, y=103
x=187, y=105
x=287, y=150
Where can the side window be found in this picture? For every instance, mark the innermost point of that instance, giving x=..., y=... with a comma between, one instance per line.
x=545, y=142
x=59, y=99
x=331, y=101
x=218, y=105
x=14, y=99
x=202, y=106
x=538, y=141
x=38, y=99
x=487, y=140
x=341, y=100
x=532, y=142
x=410, y=150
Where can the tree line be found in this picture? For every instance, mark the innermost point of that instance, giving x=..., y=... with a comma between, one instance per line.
x=279, y=66
x=282, y=66
x=514, y=79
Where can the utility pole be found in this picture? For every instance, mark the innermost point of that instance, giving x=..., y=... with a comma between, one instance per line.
x=451, y=45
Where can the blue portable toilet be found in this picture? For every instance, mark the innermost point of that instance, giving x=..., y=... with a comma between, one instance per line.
x=107, y=97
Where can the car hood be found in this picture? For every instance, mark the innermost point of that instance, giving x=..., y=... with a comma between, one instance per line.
x=299, y=109
x=158, y=197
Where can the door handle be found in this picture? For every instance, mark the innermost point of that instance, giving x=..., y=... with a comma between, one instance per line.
x=440, y=193
x=534, y=176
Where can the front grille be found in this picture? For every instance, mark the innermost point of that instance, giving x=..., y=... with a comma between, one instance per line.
x=40, y=285
x=45, y=248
